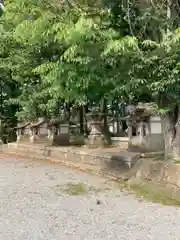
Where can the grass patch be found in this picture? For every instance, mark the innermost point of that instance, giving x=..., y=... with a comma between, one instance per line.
x=76, y=189
x=152, y=193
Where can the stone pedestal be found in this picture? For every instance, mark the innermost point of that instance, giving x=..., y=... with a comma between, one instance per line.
x=98, y=136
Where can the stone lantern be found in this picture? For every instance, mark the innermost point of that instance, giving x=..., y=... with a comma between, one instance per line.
x=98, y=136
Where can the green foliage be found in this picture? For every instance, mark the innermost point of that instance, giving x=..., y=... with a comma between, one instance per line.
x=25, y=27
x=58, y=52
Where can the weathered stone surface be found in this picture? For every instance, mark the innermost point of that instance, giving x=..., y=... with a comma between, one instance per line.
x=152, y=142
x=159, y=154
x=121, y=160
x=96, y=141
x=111, y=161
x=121, y=142
x=163, y=172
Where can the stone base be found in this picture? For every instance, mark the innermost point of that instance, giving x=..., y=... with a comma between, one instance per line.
x=110, y=162
x=121, y=142
x=95, y=141
x=161, y=175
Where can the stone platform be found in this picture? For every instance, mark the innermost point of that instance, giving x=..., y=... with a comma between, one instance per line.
x=111, y=161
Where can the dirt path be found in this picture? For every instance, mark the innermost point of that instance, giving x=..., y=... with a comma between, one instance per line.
x=44, y=201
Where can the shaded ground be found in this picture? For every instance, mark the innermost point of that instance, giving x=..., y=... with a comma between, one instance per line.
x=44, y=201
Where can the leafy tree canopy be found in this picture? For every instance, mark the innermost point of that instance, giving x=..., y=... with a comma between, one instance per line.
x=59, y=52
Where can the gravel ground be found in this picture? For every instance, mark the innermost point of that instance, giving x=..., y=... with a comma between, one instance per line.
x=33, y=205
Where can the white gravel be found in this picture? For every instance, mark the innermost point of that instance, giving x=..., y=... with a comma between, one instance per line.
x=34, y=206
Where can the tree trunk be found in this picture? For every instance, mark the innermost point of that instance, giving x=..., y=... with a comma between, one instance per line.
x=171, y=130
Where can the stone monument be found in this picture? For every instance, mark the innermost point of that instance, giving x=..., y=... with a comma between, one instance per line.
x=98, y=136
